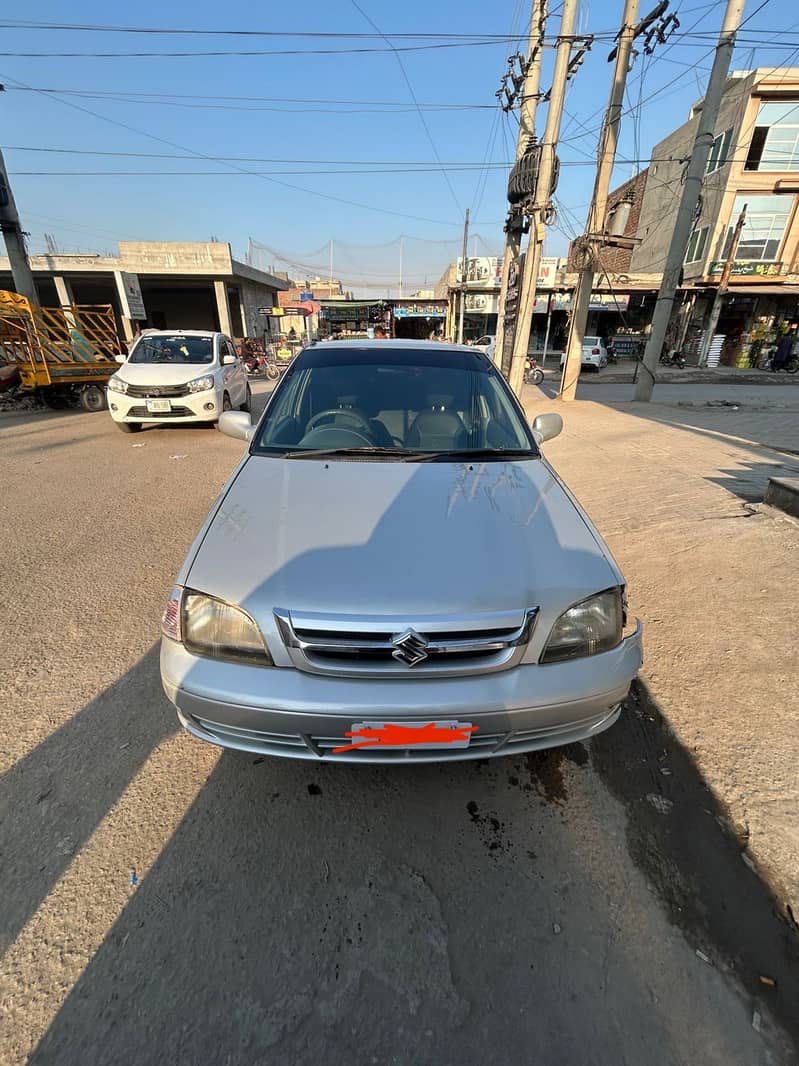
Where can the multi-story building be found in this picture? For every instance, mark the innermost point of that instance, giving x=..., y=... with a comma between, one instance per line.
x=753, y=163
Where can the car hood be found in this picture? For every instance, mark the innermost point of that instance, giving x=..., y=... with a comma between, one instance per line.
x=394, y=538
x=163, y=373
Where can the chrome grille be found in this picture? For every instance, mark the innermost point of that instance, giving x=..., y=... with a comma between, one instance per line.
x=157, y=392
x=150, y=416
x=401, y=647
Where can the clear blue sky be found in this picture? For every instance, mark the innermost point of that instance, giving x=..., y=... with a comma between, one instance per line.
x=377, y=122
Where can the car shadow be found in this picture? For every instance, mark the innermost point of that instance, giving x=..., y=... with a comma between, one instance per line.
x=65, y=790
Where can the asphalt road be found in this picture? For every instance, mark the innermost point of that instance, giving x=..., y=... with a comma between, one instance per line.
x=165, y=903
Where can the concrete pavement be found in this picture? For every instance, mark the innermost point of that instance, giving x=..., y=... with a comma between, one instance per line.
x=519, y=910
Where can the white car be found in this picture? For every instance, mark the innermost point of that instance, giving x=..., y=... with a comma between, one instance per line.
x=487, y=343
x=177, y=376
x=595, y=354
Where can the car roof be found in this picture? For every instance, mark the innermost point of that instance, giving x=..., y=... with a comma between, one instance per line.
x=387, y=342
x=181, y=333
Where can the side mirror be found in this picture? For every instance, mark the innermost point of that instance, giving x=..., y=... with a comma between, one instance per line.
x=236, y=424
x=120, y=358
x=228, y=359
x=545, y=427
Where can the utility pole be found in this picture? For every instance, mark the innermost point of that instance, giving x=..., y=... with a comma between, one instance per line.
x=515, y=221
x=692, y=186
x=464, y=268
x=331, y=266
x=14, y=239
x=402, y=243
x=724, y=282
x=542, y=199
x=595, y=235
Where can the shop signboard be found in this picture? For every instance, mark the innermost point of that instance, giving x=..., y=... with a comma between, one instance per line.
x=421, y=310
x=272, y=312
x=600, y=301
x=749, y=269
x=485, y=270
x=131, y=292
x=511, y=311
x=481, y=303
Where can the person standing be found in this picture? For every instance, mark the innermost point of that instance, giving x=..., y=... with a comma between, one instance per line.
x=784, y=350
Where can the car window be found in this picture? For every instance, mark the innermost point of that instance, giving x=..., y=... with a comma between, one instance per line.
x=591, y=342
x=172, y=348
x=393, y=399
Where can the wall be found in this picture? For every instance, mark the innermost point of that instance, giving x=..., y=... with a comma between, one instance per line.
x=146, y=257
x=664, y=182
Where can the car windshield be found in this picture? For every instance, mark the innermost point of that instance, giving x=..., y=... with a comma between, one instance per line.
x=392, y=403
x=173, y=348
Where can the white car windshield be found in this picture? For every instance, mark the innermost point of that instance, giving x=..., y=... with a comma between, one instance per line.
x=385, y=402
x=173, y=348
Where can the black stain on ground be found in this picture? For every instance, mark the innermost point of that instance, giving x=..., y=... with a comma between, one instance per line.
x=490, y=828
x=546, y=770
x=314, y=790
x=692, y=857
x=473, y=810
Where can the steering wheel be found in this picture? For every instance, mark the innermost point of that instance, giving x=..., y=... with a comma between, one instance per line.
x=353, y=417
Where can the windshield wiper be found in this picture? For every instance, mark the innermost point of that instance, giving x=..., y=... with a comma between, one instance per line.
x=477, y=454
x=343, y=453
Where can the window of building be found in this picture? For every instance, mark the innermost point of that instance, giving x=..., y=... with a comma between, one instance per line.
x=764, y=228
x=696, y=245
x=719, y=151
x=775, y=142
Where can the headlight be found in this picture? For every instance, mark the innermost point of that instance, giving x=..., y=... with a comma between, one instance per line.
x=201, y=384
x=210, y=627
x=588, y=628
x=116, y=384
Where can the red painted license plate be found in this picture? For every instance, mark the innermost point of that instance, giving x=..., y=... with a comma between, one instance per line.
x=390, y=736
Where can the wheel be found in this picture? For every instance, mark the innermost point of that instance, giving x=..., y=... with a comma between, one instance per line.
x=272, y=371
x=93, y=398
x=247, y=405
x=664, y=360
x=792, y=366
x=129, y=427
x=226, y=404
x=537, y=376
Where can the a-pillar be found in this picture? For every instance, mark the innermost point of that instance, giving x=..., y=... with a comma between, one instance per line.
x=223, y=308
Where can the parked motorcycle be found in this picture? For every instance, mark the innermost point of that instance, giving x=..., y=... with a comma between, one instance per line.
x=766, y=362
x=533, y=374
x=610, y=349
x=673, y=359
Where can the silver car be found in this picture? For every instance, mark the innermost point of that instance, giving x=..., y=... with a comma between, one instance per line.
x=394, y=573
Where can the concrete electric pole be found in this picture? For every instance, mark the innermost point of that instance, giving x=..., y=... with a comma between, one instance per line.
x=542, y=199
x=14, y=240
x=514, y=224
x=595, y=234
x=724, y=281
x=464, y=270
x=692, y=186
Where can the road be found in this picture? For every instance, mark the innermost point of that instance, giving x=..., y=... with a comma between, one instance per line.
x=163, y=902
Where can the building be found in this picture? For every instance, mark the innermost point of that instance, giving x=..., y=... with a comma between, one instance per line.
x=753, y=162
x=159, y=284
x=624, y=210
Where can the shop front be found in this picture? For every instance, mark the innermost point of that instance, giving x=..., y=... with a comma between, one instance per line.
x=752, y=320
x=354, y=319
x=418, y=320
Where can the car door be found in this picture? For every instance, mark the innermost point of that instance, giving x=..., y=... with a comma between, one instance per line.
x=235, y=374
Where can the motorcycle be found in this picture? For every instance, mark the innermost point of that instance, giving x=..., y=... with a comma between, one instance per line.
x=766, y=362
x=533, y=374
x=673, y=359
x=612, y=358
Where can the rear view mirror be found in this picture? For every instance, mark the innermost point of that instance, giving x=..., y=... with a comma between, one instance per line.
x=236, y=424
x=228, y=359
x=547, y=426
x=120, y=358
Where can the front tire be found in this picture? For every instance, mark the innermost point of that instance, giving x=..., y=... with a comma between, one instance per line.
x=128, y=427
x=226, y=404
x=537, y=376
x=272, y=371
x=247, y=405
x=93, y=398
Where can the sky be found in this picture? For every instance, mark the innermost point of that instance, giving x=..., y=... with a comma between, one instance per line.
x=353, y=144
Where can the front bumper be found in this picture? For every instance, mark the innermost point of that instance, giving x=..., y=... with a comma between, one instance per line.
x=286, y=712
x=192, y=408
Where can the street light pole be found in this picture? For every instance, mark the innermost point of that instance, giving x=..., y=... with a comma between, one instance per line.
x=692, y=186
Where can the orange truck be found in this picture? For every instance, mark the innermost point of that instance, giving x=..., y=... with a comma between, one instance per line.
x=63, y=354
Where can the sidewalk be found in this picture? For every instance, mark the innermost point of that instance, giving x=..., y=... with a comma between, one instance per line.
x=623, y=372
x=715, y=583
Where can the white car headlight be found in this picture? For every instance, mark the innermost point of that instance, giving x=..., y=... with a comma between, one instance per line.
x=116, y=384
x=590, y=627
x=212, y=628
x=201, y=384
